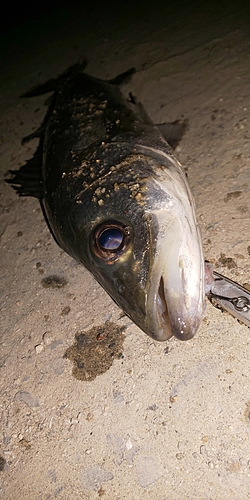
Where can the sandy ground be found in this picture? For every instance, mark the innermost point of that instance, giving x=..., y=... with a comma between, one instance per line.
x=166, y=421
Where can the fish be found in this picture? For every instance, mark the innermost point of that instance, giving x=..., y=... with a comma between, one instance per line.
x=116, y=199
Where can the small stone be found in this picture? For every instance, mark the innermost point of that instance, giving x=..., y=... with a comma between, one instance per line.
x=47, y=339
x=129, y=444
x=39, y=348
x=65, y=311
x=25, y=443
x=172, y=399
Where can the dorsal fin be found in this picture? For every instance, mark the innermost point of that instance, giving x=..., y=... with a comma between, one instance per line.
x=51, y=85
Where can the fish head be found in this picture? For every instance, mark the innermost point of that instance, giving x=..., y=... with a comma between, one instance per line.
x=136, y=232
x=176, y=295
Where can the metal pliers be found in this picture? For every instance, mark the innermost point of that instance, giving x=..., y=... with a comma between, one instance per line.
x=228, y=295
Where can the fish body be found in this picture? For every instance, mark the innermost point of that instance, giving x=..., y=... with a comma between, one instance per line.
x=116, y=200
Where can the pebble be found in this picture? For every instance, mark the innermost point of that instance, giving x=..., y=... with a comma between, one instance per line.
x=39, y=348
x=129, y=444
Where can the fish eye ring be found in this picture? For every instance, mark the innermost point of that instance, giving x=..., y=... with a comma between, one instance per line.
x=111, y=238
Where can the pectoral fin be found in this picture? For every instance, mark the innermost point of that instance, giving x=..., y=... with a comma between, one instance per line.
x=173, y=132
x=27, y=181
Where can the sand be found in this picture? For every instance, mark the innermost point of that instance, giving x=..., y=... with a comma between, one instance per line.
x=160, y=421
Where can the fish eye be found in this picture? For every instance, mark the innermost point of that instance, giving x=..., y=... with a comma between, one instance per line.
x=111, y=239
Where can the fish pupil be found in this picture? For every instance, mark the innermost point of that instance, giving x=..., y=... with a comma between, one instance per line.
x=111, y=239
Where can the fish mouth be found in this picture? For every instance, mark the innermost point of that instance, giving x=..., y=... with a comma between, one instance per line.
x=162, y=308
x=175, y=313
x=176, y=295
x=173, y=318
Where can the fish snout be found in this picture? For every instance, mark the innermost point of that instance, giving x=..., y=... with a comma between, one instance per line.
x=176, y=295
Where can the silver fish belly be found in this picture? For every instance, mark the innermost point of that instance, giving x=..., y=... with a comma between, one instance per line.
x=117, y=200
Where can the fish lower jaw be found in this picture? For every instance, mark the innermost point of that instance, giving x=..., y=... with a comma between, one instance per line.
x=171, y=324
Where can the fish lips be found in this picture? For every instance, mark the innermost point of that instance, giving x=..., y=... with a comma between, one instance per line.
x=176, y=296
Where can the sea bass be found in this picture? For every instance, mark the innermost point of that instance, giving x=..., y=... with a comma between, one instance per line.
x=116, y=200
